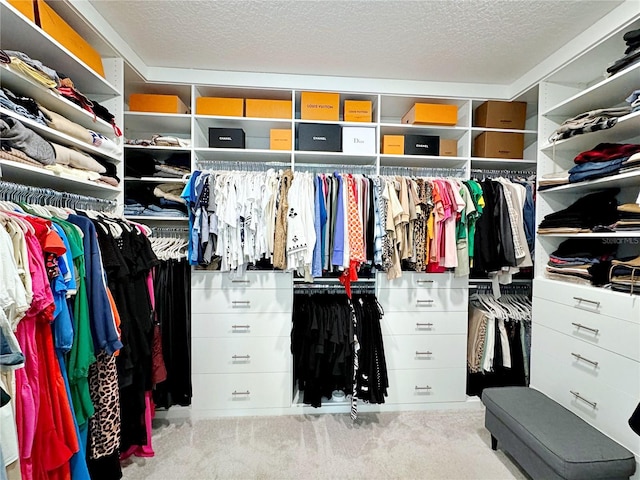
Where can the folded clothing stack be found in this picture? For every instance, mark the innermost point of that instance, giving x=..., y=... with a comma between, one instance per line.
x=603, y=160
x=553, y=180
x=595, y=210
x=160, y=141
x=624, y=275
x=581, y=261
x=591, y=121
x=634, y=100
x=145, y=164
x=631, y=54
x=628, y=218
x=161, y=200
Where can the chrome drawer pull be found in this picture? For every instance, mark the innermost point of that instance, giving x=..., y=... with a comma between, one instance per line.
x=423, y=388
x=241, y=393
x=424, y=325
x=579, y=325
x=424, y=353
x=424, y=281
x=240, y=326
x=593, y=302
x=424, y=301
x=241, y=302
x=578, y=396
x=241, y=357
x=580, y=357
x=240, y=281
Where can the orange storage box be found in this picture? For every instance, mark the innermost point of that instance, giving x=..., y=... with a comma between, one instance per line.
x=280, y=139
x=357, y=111
x=320, y=106
x=55, y=26
x=223, y=106
x=448, y=147
x=146, y=102
x=25, y=7
x=431, y=114
x=258, y=108
x=393, y=144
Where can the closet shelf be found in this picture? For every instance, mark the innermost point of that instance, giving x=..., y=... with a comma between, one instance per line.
x=422, y=161
x=153, y=218
x=338, y=122
x=157, y=123
x=59, y=137
x=628, y=179
x=155, y=179
x=40, y=177
x=455, y=133
x=503, y=163
x=630, y=234
x=19, y=32
x=21, y=85
x=627, y=127
x=249, y=124
x=336, y=158
x=608, y=93
x=155, y=147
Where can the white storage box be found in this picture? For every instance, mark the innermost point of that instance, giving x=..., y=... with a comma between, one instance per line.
x=359, y=140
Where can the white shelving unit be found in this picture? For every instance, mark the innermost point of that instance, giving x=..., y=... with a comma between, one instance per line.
x=18, y=33
x=606, y=397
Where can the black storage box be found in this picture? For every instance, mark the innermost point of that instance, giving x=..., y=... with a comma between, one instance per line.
x=320, y=137
x=422, y=145
x=226, y=137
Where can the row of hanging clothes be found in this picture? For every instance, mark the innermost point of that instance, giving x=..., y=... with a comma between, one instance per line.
x=499, y=336
x=81, y=347
x=505, y=232
x=337, y=346
x=321, y=223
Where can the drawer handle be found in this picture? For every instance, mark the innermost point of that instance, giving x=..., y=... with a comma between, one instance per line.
x=586, y=300
x=241, y=302
x=241, y=393
x=579, y=325
x=424, y=353
x=580, y=397
x=423, y=388
x=241, y=357
x=424, y=325
x=240, y=281
x=240, y=326
x=424, y=281
x=580, y=357
x=424, y=301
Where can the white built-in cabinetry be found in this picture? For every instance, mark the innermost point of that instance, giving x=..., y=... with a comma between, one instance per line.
x=18, y=33
x=586, y=340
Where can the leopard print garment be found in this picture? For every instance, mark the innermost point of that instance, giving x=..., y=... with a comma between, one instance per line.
x=104, y=426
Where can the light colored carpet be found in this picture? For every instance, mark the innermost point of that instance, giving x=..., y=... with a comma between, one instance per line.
x=447, y=444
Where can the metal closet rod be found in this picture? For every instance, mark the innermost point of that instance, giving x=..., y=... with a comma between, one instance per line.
x=424, y=171
x=242, y=166
x=15, y=192
x=329, y=169
x=504, y=172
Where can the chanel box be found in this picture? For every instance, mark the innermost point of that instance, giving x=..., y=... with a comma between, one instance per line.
x=422, y=145
x=359, y=140
x=226, y=137
x=319, y=137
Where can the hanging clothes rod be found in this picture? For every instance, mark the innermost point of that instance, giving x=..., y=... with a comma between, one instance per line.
x=424, y=171
x=329, y=169
x=14, y=192
x=503, y=172
x=220, y=165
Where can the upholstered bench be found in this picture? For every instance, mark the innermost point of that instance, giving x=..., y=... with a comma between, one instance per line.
x=550, y=442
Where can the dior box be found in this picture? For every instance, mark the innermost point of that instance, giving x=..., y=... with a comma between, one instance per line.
x=319, y=137
x=226, y=137
x=422, y=145
x=359, y=140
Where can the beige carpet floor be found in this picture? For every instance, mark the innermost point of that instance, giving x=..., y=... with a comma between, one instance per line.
x=447, y=444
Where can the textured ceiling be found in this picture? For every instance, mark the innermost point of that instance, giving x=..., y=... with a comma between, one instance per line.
x=478, y=41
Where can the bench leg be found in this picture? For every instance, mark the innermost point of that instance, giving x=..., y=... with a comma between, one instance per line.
x=494, y=443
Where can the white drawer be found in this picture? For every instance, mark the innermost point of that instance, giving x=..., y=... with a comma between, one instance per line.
x=583, y=298
x=427, y=386
x=609, y=409
x=250, y=390
x=253, y=279
x=423, y=300
x=424, y=323
x=241, y=355
x=616, y=335
x=425, y=351
x=583, y=359
x=422, y=280
x=231, y=325
x=242, y=301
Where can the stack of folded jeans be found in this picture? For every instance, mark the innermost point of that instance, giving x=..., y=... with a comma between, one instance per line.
x=143, y=201
x=591, y=211
x=581, y=261
x=605, y=159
